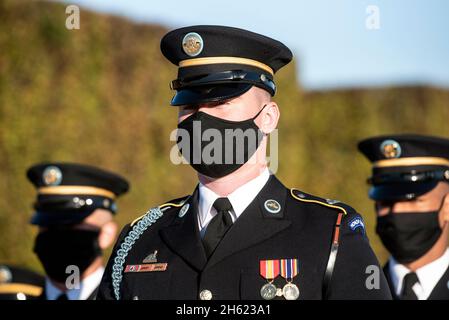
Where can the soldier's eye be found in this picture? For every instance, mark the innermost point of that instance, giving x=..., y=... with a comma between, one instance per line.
x=384, y=204
x=189, y=108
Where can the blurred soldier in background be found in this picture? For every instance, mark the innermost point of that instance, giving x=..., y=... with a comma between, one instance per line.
x=19, y=283
x=410, y=187
x=74, y=212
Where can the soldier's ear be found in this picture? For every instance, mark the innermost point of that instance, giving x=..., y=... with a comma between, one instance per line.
x=444, y=212
x=270, y=117
x=108, y=233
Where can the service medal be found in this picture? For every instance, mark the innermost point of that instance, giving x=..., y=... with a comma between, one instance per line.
x=289, y=270
x=268, y=291
x=269, y=269
x=290, y=291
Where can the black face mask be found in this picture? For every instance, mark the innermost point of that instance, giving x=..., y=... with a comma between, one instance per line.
x=58, y=248
x=239, y=141
x=408, y=236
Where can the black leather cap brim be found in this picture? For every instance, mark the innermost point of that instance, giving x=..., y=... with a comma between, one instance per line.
x=212, y=93
x=45, y=219
x=400, y=191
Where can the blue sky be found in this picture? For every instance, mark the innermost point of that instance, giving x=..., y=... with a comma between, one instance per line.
x=332, y=46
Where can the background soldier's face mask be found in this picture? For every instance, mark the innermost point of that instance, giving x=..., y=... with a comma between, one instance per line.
x=58, y=248
x=409, y=235
x=238, y=141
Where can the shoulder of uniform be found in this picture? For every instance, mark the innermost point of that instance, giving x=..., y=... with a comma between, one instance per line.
x=328, y=203
x=131, y=233
x=175, y=203
x=351, y=219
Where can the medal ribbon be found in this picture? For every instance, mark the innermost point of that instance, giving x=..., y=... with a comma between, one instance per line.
x=269, y=269
x=289, y=268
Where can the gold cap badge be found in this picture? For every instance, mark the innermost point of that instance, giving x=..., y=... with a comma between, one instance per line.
x=52, y=176
x=192, y=44
x=391, y=149
x=5, y=274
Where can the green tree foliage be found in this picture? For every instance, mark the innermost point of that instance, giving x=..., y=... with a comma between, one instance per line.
x=100, y=95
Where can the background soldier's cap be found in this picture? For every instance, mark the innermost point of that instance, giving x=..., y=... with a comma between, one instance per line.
x=19, y=284
x=405, y=166
x=68, y=192
x=217, y=63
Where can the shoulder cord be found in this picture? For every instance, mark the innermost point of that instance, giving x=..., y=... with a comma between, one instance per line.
x=117, y=269
x=332, y=257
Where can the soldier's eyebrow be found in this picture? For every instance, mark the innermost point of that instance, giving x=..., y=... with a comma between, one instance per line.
x=86, y=226
x=189, y=107
x=215, y=103
x=384, y=204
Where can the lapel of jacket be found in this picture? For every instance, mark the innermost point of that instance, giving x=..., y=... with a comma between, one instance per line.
x=182, y=235
x=43, y=295
x=256, y=223
x=93, y=295
x=386, y=271
x=441, y=290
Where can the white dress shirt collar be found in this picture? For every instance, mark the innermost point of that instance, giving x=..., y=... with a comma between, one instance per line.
x=87, y=286
x=239, y=198
x=428, y=275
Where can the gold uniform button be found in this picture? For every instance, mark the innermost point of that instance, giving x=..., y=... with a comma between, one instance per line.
x=206, y=295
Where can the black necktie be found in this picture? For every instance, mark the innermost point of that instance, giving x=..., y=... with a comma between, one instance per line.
x=218, y=226
x=409, y=281
x=62, y=297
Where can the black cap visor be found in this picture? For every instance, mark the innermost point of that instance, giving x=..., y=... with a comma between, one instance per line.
x=400, y=191
x=48, y=218
x=209, y=93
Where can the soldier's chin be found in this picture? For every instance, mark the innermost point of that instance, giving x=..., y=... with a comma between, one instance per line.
x=249, y=166
x=217, y=172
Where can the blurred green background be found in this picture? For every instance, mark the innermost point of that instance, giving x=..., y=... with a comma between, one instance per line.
x=101, y=97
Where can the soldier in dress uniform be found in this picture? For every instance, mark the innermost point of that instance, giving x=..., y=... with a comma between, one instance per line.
x=410, y=187
x=74, y=212
x=17, y=283
x=241, y=234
